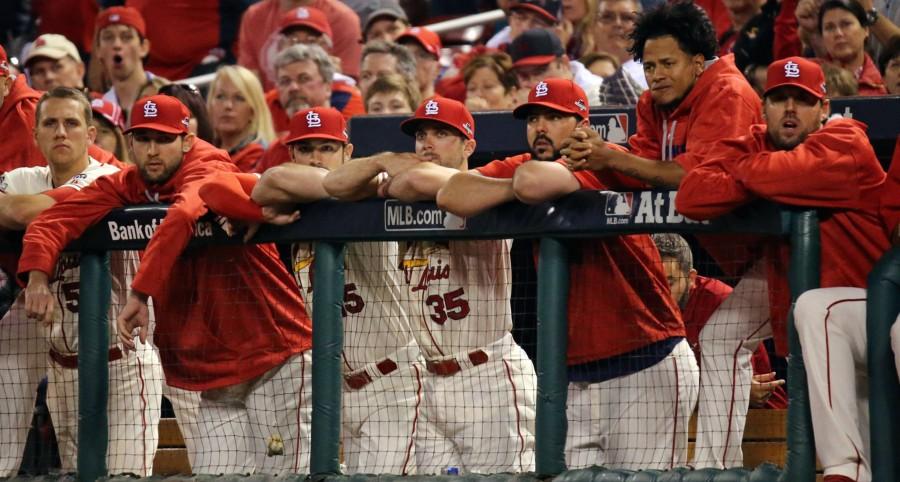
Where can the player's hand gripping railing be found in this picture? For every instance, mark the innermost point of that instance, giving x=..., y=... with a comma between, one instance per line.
x=580, y=215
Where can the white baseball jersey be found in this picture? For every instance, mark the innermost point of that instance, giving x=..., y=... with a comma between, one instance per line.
x=63, y=335
x=375, y=324
x=457, y=294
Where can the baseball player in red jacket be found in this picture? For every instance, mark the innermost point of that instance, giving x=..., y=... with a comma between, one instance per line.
x=632, y=375
x=795, y=158
x=216, y=334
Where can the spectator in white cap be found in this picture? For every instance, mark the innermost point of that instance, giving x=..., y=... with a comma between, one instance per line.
x=53, y=61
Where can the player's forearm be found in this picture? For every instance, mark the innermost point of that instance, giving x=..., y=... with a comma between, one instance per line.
x=469, y=193
x=17, y=211
x=420, y=183
x=661, y=174
x=353, y=180
x=290, y=183
x=539, y=181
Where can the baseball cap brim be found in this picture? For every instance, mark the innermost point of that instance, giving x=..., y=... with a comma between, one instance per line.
x=817, y=95
x=45, y=52
x=410, y=37
x=524, y=110
x=534, y=8
x=534, y=60
x=302, y=24
x=410, y=126
x=303, y=137
x=153, y=126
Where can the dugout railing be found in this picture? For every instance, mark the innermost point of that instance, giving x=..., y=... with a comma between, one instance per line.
x=583, y=214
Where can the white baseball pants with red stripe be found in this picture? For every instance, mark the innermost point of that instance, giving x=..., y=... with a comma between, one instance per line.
x=260, y=426
x=727, y=342
x=832, y=327
x=638, y=421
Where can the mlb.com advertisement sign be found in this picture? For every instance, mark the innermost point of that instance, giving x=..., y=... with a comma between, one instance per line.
x=399, y=216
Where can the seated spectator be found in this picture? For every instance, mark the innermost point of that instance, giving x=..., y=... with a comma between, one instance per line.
x=425, y=46
x=109, y=122
x=889, y=64
x=240, y=118
x=17, y=112
x=380, y=57
x=490, y=82
x=308, y=26
x=386, y=20
x=190, y=96
x=122, y=46
x=577, y=25
x=601, y=64
x=260, y=25
x=844, y=29
x=524, y=16
x=538, y=55
x=392, y=94
x=612, y=33
x=54, y=61
x=839, y=82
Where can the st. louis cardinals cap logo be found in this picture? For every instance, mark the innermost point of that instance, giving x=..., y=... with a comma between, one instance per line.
x=114, y=17
x=791, y=70
x=302, y=13
x=541, y=89
x=431, y=107
x=313, y=119
x=150, y=109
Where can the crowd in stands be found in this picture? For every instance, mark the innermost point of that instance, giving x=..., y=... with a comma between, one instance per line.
x=731, y=99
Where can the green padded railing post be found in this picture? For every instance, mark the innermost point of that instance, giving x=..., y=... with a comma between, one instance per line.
x=884, y=390
x=803, y=275
x=552, y=297
x=328, y=341
x=93, y=365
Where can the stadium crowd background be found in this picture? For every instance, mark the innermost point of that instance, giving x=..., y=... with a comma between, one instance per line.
x=274, y=58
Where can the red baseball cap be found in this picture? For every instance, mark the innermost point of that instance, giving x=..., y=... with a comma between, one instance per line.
x=308, y=17
x=121, y=15
x=110, y=111
x=798, y=72
x=162, y=113
x=429, y=40
x=4, y=62
x=546, y=9
x=558, y=94
x=318, y=123
x=446, y=111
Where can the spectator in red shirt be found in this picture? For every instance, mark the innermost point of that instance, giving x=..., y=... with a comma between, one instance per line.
x=844, y=30
x=239, y=115
x=698, y=297
x=260, y=25
x=425, y=46
x=889, y=62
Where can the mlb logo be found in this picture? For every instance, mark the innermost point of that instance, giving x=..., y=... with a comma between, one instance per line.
x=791, y=70
x=541, y=89
x=612, y=127
x=619, y=203
x=150, y=109
x=313, y=119
x=431, y=107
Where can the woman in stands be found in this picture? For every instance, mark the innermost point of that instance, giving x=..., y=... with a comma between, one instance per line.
x=490, y=82
x=109, y=121
x=392, y=94
x=578, y=26
x=239, y=115
x=190, y=96
x=844, y=28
